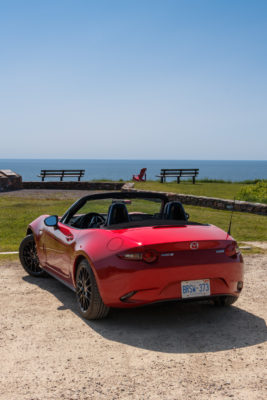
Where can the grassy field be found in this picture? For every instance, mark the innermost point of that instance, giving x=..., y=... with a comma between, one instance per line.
x=16, y=213
x=209, y=189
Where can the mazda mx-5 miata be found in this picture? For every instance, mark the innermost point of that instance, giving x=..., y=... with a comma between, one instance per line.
x=127, y=249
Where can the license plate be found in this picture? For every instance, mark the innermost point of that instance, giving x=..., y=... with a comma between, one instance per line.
x=195, y=288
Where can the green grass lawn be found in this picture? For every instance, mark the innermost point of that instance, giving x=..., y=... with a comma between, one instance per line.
x=245, y=226
x=16, y=213
x=221, y=190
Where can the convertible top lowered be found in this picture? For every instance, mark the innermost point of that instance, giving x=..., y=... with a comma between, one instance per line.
x=125, y=249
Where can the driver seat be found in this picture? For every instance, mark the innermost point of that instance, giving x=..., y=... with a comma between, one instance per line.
x=117, y=214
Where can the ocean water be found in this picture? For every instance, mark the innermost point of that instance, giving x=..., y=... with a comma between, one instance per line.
x=29, y=169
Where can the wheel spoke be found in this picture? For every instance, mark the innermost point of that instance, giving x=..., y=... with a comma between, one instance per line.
x=84, y=289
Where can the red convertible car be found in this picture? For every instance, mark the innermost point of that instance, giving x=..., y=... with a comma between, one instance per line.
x=131, y=249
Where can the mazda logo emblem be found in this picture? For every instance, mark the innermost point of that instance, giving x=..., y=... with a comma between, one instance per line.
x=194, y=245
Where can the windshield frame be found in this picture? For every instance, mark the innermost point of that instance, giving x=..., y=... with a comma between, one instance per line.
x=112, y=195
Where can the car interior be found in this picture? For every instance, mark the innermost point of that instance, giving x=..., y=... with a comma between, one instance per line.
x=118, y=215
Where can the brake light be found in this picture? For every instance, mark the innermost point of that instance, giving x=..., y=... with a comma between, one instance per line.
x=148, y=256
x=232, y=249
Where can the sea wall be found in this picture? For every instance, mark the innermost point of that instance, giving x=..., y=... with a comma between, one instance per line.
x=219, y=204
x=86, y=185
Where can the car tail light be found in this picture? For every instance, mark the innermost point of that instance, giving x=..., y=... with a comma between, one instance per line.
x=232, y=249
x=132, y=256
x=149, y=256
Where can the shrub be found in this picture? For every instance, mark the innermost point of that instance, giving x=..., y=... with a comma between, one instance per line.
x=255, y=193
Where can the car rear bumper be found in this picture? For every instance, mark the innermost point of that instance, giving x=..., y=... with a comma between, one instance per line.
x=136, y=287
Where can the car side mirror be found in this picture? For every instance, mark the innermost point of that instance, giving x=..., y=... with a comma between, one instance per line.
x=51, y=221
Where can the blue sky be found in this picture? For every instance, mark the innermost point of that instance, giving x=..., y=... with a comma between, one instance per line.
x=143, y=79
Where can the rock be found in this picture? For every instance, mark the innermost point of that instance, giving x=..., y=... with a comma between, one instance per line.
x=9, y=180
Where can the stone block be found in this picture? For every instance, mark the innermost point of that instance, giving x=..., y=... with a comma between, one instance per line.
x=9, y=180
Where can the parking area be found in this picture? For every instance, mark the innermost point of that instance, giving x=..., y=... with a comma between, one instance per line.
x=169, y=351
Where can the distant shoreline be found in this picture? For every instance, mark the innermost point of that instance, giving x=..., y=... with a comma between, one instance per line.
x=114, y=169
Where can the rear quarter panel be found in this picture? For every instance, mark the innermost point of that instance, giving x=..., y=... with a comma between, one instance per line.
x=98, y=246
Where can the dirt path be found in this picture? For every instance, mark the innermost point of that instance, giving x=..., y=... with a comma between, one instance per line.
x=49, y=194
x=178, y=351
x=261, y=245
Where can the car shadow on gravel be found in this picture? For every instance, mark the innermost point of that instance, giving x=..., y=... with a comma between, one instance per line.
x=170, y=327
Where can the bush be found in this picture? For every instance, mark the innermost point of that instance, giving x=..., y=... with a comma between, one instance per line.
x=255, y=193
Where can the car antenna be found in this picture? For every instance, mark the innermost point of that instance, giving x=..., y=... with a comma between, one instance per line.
x=231, y=207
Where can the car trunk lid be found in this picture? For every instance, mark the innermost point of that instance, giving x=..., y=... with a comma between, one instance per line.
x=176, y=237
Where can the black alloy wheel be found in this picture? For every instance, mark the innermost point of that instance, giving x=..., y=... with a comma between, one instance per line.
x=29, y=258
x=84, y=289
x=89, y=300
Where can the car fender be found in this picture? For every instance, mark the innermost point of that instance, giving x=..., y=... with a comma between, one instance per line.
x=35, y=228
x=78, y=257
x=97, y=250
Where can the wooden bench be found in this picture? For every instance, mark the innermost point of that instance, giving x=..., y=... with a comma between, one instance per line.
x=178, y=173
x=61, y=173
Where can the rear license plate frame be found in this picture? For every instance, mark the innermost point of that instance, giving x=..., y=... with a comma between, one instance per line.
x=195, y=288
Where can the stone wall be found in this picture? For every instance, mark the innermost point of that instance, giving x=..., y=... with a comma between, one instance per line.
x=74, y=185
x=9, y=180
x=219, y=204
x=12, y=181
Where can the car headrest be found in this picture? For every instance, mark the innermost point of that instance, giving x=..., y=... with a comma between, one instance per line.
x=174, y=210
x=117, y=214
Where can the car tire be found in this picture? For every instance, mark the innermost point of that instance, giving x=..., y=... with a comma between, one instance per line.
x=29, y=258
x=225, y=301
x=90, y=303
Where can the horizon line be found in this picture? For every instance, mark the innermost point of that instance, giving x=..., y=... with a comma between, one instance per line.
x=130, y=159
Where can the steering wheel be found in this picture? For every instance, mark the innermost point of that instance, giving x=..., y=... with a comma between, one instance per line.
x=91, y=219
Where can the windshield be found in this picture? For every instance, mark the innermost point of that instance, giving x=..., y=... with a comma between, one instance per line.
x=111, y=211
x=102, y=211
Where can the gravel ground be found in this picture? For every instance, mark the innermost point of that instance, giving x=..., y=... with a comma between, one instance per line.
x=171, y=351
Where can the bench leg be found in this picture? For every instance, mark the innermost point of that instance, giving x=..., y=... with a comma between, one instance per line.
x=194, y=179
x=61, y=178
x=178, y=179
